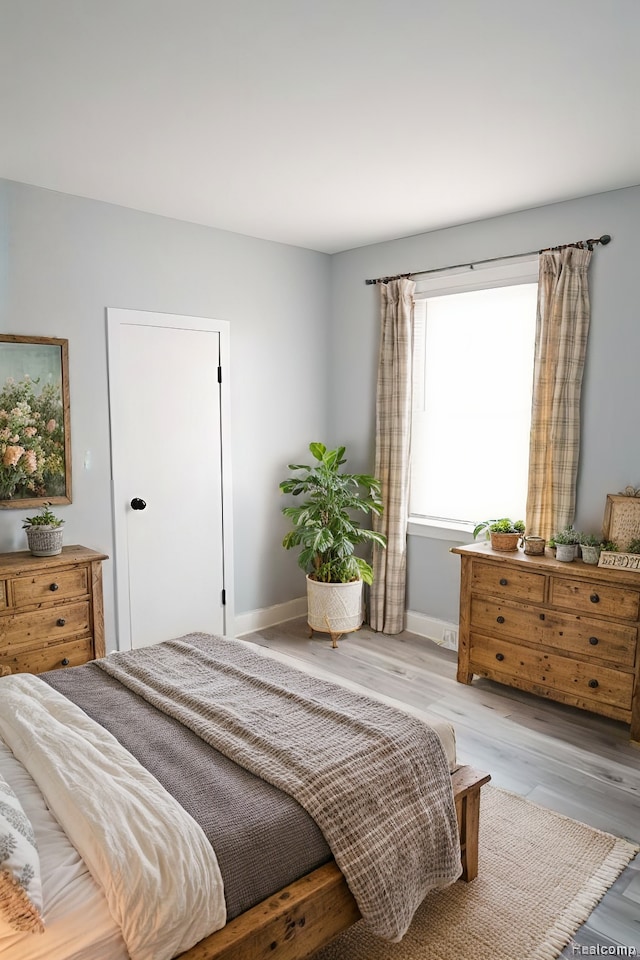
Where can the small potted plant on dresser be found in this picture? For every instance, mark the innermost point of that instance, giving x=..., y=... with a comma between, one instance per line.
x=504, y=534
x=591, y=547
x=44, y=533
x=564, y=542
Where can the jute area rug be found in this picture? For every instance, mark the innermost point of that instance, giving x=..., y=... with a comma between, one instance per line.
x=540, y=876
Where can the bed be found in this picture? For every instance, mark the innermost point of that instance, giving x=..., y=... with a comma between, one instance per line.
x=287, y=910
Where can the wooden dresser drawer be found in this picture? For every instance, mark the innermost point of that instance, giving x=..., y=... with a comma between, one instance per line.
x=48, y=625
x=73, y=653
x=499, y=581
x=598, y=599
x=586, y=681
x=55, y=585
x=608, y=641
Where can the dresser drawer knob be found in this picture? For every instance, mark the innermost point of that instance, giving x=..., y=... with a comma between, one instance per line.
x=593, y=684
x=594, y=598
x=500, y=619
x=593, y=641
x=61, y=621
x=503, y=582
x=65, y=662
x=499, y=656
x=53, y=586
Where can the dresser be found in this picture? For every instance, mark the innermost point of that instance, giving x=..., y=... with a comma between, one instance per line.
x=566, y=631
x=51, y=610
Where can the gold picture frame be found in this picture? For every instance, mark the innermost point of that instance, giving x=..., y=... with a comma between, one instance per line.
x=35, y=433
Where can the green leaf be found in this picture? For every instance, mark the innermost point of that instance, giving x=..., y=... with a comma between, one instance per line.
x=318, y=450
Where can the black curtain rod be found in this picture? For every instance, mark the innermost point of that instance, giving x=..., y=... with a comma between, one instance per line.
x=589, y=244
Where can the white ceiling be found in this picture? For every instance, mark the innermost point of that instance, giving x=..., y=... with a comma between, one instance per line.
x=323, y=123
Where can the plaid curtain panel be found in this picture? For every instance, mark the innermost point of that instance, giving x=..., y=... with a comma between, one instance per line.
x=561, y=343
x=393, y=448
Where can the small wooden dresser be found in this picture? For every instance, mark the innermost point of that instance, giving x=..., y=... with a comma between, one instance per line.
x=51, y=610
x=567, y=631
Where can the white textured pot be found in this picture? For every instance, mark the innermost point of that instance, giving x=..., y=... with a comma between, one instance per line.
x=565, y=551
x=44, y=541
x=334, y=608
x=590, y=554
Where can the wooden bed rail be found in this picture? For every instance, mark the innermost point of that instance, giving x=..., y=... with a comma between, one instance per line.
x=307, y=914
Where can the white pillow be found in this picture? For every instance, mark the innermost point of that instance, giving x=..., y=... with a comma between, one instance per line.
x=20, y=884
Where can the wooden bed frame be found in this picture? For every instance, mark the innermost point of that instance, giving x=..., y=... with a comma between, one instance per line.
x=307, y=914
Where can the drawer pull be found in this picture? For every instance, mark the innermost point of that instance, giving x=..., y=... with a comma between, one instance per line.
x=53, y=586
x=500, y=619
x=542, y=616
x=593, y=641
x=593, y=684
x=65, y=662
x=499, y=656
x=61, y=621
x=503, y=582
x=594, y=598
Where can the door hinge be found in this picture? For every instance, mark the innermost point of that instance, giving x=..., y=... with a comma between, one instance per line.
x=219, y=374
x=224, y=598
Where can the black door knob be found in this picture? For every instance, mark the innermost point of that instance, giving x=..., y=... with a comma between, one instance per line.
x=138, y=504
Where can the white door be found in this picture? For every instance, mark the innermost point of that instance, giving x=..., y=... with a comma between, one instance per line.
x=166, y=446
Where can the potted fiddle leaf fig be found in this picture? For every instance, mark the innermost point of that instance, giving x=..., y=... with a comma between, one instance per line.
x=326, y=530
x=44, y=532
x=504, y=534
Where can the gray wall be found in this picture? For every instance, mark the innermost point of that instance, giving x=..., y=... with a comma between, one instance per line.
x=304, y=343
x=610, y=457
x=63, y=260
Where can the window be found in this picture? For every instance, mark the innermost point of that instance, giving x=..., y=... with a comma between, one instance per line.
x=473, y=372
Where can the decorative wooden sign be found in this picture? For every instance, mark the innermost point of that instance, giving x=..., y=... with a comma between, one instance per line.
x=621, y=520
x=622, y=561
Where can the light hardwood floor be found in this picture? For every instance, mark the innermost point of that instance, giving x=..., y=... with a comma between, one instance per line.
x=565, y=759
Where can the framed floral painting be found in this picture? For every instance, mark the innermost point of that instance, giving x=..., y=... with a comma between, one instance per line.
x=35, y=436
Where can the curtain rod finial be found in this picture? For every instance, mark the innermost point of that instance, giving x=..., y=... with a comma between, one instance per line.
x=605, y=239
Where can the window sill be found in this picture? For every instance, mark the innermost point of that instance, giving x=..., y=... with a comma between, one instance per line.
x=440, y=530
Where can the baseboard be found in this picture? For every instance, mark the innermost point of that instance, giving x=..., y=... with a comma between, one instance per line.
x=441, y=632
x=269, y=616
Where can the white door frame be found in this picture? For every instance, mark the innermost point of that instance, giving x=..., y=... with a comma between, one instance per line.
x=116, y=317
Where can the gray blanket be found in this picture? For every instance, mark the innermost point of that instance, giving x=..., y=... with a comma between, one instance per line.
x=263, y=839
x=375, y=780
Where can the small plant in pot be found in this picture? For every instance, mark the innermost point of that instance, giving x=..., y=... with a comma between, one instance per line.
x=565, y=545
x=325, y=529
x=591, y=547
x=504, y=534
x=44, y=532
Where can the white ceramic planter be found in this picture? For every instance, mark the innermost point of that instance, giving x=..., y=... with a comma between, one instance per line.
x=334, y=608
x=44, y=541
x=565, y=551
x=590, y=554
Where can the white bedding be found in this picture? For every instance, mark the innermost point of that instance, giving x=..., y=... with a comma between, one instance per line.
x=153, y=862
x=79, y=925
